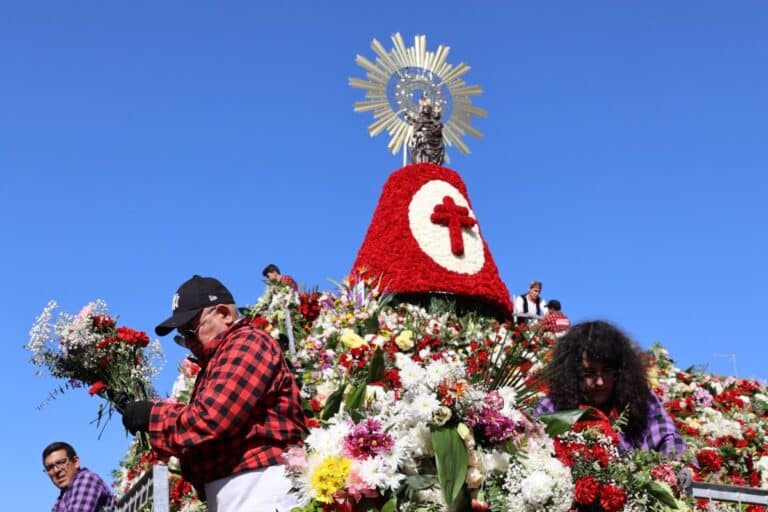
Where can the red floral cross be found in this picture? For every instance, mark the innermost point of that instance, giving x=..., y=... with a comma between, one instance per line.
x=456, y=218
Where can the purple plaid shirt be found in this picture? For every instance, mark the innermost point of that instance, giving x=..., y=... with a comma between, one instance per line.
x=660, y=433
x=86, y=493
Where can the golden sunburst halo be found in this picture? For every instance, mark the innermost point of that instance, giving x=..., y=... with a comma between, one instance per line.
x=399, y=77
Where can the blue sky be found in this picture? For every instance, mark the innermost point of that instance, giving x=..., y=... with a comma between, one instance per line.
x=623, y=164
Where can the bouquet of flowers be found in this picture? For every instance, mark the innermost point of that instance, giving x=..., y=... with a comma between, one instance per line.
x=410, y=408
x=607, y=480
x=419, y=408
x=278, y=297
x=117, y=363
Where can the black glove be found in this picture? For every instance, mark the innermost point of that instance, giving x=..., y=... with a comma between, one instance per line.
x=119, y=400
x=136, y=416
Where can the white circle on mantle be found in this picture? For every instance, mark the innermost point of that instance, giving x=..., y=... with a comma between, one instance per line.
x=434, y=239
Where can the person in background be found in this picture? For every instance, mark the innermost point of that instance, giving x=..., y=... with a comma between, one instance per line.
x=555, y=320
x=272, y=273
x=597, y=365
x=244, y=411
x=82, y=490
x=530, y=307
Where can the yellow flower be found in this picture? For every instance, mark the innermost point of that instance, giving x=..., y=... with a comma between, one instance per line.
x=463, y=431
x=329, y=477
x=350, y=339
x=404, y=340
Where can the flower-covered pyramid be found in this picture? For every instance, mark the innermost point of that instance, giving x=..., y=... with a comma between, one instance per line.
x=425, y=238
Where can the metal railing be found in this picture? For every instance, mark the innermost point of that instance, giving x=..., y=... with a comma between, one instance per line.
x=149, y=493
x=730, y=493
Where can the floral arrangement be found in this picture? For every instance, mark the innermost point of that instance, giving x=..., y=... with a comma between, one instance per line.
x=418, y=408
x=422, y=409
x=278, y=297
x=117, y=363
x=723, y=419
x=607, y=480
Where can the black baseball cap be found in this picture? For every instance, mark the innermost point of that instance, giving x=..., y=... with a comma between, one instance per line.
x=196, y=294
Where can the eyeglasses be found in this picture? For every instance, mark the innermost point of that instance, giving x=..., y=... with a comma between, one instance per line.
x=191, y=334
x=56, y=466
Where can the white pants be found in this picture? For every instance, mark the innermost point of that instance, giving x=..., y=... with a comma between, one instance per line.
x=260, y=490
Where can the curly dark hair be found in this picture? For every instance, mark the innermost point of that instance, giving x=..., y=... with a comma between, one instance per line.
x=606, y=344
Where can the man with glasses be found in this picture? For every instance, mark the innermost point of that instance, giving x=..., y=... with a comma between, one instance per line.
x=82, y=490
x=244, y=412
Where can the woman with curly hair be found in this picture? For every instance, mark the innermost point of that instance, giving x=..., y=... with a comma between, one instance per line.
x=596, y=364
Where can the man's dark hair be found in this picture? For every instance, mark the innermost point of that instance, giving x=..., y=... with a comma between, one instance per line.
x=606, y=344
x=270, y=268
x=554, y=305
x=59, y=445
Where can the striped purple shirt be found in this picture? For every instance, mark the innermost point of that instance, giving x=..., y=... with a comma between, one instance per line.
x=86, y=493
x=660, y=434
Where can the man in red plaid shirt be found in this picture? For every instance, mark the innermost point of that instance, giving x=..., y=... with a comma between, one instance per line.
x=273, y=275
x=555, y=320
x=244, y=412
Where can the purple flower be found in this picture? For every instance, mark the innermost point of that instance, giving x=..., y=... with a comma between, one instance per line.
x=494, y=400
x=493, y=425
x=366, y=439
x=703, y=397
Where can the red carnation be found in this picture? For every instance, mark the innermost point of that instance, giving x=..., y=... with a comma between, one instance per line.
x=612, y=498
x=314, y=403
x=392, y=376
x=132, y=337
x=710, y=459
x=665, y=473
x=102, y=322
x=564, y=452
x=309, y=307
x=97, y=387
x=586, y=490
x=260, y=323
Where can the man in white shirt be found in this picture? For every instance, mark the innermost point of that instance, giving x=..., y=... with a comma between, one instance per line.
x=530, y=307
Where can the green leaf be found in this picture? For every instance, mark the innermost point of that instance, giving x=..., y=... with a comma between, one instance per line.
x=371, y=325
x=390, y=506
x=452, y=461
x=333, y=403
x=355, y=398
x=560, y=422
x=663, y=493
x=376, y=367
x=417, y=483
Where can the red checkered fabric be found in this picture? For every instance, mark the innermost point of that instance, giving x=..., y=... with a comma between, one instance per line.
x=286, y=279
x=244, y=412
x=556, y=322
